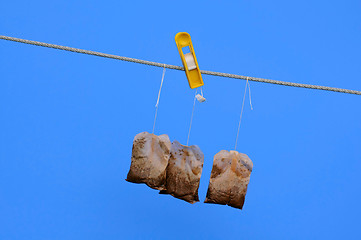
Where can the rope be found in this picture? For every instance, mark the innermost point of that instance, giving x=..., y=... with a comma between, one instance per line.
x=156, y=64
x=190, y=125
x=156, y=105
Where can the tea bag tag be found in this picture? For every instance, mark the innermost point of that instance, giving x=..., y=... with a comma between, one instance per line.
x=200, y=98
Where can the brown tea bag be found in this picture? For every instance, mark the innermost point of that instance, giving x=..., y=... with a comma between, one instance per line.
x=184, y=171
x=229, y=179
x=150, y=155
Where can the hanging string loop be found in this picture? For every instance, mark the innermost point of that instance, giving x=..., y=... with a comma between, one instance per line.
x=190, y=125
x=157, y=104
x=240, y=118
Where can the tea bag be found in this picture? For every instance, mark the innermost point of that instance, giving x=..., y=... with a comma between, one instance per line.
x=150, y=155
x=184, y=171
x=229, y=179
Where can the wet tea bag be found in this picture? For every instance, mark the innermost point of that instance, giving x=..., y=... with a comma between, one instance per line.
x=229, y=179
x=150, y=155
x=184, y=171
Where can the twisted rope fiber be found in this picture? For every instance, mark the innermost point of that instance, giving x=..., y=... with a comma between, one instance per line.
x=156, y=64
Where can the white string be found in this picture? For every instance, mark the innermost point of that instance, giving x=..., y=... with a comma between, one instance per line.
x=190, y=125
x=249, y=93
x=157, y=104
x=240, y=118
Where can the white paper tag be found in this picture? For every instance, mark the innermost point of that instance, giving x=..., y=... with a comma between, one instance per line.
x=200, y=98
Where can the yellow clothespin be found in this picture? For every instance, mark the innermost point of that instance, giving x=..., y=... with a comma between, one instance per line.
x=189, y=59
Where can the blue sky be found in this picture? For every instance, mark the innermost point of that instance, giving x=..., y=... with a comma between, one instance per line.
x=68, y=120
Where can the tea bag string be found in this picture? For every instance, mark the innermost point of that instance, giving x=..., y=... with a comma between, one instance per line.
x=157, y=104
x=190, y=125
x=249, y=94
x=250, y=102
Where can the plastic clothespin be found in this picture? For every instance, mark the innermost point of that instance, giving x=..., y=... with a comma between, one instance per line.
x=189, y=60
